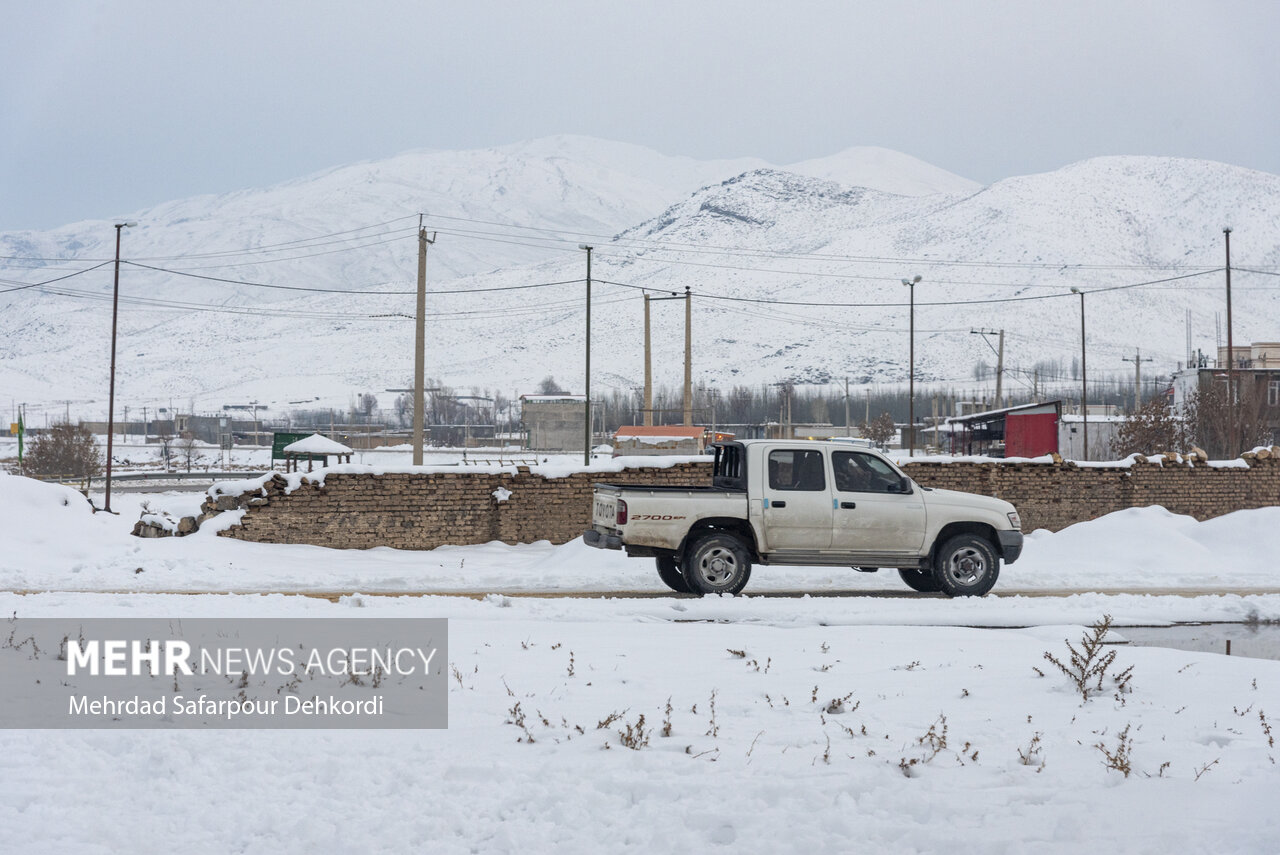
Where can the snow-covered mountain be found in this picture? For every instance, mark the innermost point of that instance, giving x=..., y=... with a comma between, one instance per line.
x=838, y=230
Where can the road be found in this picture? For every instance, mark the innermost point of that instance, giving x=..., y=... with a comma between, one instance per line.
x=334, y=596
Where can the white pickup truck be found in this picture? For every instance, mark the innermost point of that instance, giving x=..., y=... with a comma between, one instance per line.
x=822, y=503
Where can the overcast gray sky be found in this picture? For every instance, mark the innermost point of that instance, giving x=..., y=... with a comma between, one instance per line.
x=108, y=107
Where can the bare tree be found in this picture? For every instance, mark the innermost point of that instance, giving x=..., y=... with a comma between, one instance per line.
x=880, y=429
x=1150, y=430
x=64, y=449
x=366, y=403
x=1224, y=430
x=549, y=386
x=189, y=452
x=166, y=448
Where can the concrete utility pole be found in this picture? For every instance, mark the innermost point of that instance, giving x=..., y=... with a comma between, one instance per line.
x=1084, y=376
x=848, y=428
x=420, y=342
x=1137, y=361
x=999, y=361
x=648, y=368
x=688, y=357
x=586, y=443
x=911, y=370
x=1231, y=359
x=111, y=394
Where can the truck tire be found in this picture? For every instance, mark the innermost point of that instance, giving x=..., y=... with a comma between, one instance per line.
x=716, y=564
x=924, y=581
x=966, y=566
x=669, y=573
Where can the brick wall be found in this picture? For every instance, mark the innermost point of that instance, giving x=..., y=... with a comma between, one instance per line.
x=1056, y=495
x=423, y=511
x=357, y=511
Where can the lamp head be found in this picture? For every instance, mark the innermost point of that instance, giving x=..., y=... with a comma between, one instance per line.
x=584, y=246
x=1075, y=290
x=912, y=281
x=1226, y=230
x=126, y=225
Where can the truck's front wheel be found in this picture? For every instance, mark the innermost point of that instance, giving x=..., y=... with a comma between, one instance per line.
x=923, y=581
x=669, y=573
x=966, y=566
x=716, y=564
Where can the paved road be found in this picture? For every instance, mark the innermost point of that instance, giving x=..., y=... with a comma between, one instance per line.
x=656, y=594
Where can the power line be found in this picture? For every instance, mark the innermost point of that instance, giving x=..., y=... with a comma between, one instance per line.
x=833, y=304
x=58, y=279
x=345, y=290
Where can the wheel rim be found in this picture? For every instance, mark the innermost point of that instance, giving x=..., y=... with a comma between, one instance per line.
x=967, y=566
x=718, y=566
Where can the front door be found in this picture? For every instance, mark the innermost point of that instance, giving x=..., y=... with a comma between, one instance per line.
x=797, y=500
x=873, y=514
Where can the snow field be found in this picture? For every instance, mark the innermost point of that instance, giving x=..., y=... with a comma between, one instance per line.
x=759, y=758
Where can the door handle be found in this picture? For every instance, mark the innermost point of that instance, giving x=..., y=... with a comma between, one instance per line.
x=849, y=505
x=777, y=504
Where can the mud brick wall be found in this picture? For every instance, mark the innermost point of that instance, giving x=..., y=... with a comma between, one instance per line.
x=1056, y=495
x=423, y=511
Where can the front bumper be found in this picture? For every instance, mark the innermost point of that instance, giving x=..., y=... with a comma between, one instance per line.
x=1010, y=545
x=600, y=540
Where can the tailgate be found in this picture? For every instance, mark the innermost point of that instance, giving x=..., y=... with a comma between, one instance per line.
x=604, y=509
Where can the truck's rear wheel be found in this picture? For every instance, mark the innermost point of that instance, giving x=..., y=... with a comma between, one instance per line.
x=924, y=581
x=966, y=566
x=716, y=564
x=669, y=573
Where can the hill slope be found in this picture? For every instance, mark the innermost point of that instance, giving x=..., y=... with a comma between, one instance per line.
x=513, y=217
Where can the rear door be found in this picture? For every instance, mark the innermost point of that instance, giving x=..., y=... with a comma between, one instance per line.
x=797, y=499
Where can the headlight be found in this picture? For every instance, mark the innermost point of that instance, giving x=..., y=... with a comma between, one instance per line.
x=1015, y=520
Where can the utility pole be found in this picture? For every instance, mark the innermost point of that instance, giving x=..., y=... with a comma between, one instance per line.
x=648, y=368
x=1231, y=360
x=586, y=427
x=911, y=371
x=420, y=342
x=1084, y=376
x=688, y=357
x=848, y=428
x=1000, y=371
x=111, y=394
x=999, y=361
x=1137, y=361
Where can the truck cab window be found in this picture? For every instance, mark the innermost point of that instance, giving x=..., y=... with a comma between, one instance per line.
x=857, y=472
x=797, y=470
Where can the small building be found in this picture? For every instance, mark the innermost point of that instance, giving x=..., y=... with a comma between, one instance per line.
x=1104, y=425
x=313, y=448
x=1030, y=430
x=553, y=422
x=664, y=439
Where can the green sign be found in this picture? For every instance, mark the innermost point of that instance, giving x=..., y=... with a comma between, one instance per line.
x=279, y=440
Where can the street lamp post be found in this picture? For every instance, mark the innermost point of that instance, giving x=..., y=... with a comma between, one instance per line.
x=586, y=429
x=911, y=370
x=1084, y=376
x=111, y=393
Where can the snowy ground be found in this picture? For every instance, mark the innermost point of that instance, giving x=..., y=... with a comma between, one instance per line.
x=796, y=725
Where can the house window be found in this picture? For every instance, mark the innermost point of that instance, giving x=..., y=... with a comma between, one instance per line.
x=1273, y=393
